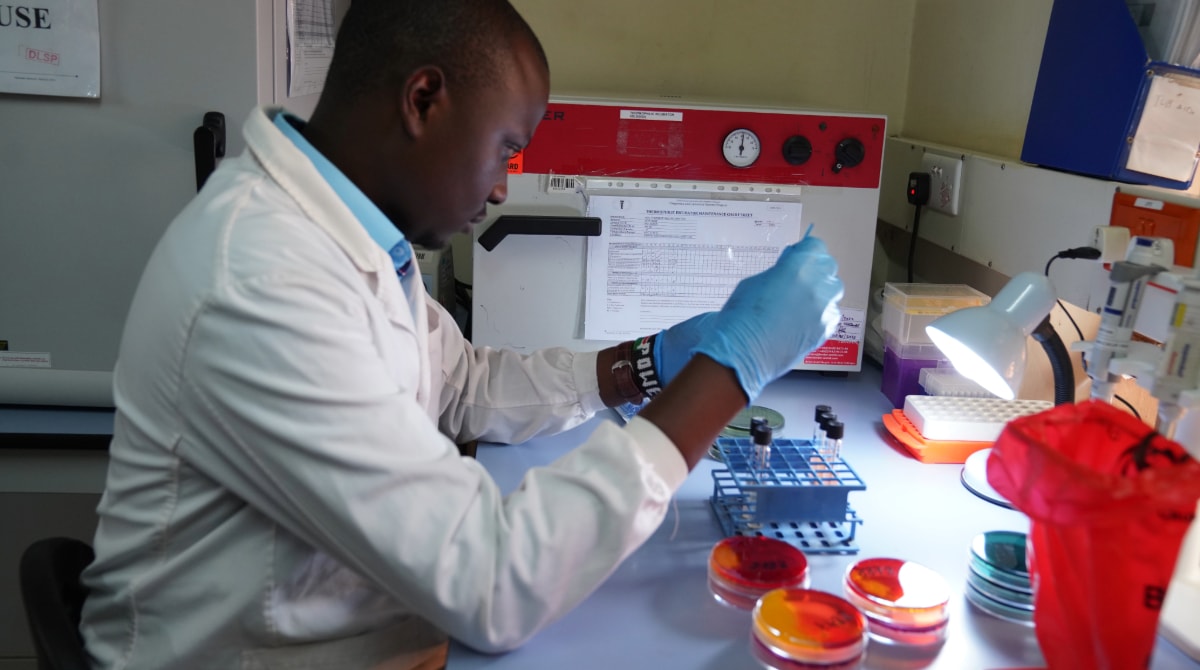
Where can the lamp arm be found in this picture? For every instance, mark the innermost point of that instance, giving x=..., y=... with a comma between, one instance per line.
x=1060, y=361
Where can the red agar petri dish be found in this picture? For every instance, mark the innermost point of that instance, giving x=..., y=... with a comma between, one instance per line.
x=904, y=602
x=740, y=569
x=801, y=628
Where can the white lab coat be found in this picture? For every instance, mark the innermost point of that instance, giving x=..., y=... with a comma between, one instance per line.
x=282, y=491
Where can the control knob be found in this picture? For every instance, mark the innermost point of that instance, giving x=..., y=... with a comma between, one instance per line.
x=849, y=152
x=797, y=150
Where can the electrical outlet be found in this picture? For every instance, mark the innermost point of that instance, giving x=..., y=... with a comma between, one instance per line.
x=946, y=181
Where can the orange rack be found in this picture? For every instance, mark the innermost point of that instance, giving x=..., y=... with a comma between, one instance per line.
x=929, y=451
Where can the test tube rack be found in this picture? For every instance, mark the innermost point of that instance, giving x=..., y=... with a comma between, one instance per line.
x=799, y=496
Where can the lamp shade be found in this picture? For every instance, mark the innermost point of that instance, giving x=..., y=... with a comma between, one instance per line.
x=987, y=344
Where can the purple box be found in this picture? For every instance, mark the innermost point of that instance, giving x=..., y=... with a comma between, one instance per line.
x=902, y=365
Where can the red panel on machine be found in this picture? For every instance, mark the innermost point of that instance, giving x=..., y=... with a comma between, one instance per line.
x=685, y=144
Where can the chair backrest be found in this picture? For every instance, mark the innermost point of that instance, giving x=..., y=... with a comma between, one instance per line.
x=53, y=597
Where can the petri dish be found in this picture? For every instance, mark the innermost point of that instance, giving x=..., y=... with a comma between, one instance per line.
x=797, y=628
x=773, y=661
x=741, y=422
x=1000, y=593
x=1014, y=581
x=1003, y=550
x=904, y=602
x=742, y=568
x=996, y=608
x=730, y=431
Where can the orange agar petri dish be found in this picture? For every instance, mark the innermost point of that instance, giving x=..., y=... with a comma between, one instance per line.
x=903, y=602
x=740, y=569
x=800, y=628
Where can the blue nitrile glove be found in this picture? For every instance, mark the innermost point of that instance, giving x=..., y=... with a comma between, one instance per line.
x=774, y=318
x=673, y=346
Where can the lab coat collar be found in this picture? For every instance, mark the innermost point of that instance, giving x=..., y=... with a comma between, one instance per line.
x=288, y=166
x=379, y=227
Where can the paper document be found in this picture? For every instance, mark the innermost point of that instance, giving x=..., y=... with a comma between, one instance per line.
x=1168, y=133
x=659, y=261
x=310, y=45
x=50, y=47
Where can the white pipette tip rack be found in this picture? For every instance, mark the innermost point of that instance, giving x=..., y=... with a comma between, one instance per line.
x=966, y=419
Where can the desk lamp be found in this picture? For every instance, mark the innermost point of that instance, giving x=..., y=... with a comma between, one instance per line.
x=987, y=345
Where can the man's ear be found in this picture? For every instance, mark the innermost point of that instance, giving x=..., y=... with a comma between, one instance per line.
x=424, y=94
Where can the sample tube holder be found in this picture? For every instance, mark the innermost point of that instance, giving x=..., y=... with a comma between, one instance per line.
x=799, y=497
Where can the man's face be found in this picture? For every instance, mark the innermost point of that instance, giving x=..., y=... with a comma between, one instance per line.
x=464, y=157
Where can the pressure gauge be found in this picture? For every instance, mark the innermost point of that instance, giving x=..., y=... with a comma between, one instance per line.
x=741, y=148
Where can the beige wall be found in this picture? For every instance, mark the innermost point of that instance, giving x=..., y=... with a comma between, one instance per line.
x=955, y=72
x=846, y=56
x=972, y=73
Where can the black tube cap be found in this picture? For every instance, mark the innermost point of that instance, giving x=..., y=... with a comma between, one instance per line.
x=834, y=430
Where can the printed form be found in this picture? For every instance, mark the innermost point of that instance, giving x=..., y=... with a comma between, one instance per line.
x=659, y=261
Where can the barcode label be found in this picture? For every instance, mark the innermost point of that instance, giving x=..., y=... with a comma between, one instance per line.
x=561, y=184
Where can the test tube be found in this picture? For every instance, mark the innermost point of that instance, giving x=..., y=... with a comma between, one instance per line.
x=761, y=434
x=833, y=440
x=817, y=422
x=758, y=423
x=819, y=444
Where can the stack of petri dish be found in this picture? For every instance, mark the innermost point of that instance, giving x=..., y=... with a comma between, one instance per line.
x=903, y=602
x=740, y=569
x=998, y=579
x=799, y=629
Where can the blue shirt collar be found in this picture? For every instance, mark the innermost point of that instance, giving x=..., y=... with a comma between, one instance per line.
x=378, y=226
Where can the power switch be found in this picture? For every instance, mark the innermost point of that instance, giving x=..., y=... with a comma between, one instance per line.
x=918, y=188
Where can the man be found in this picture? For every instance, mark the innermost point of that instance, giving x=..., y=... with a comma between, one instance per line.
x=284, y=487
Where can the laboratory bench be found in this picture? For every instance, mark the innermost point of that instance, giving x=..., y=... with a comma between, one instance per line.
x=655, y=610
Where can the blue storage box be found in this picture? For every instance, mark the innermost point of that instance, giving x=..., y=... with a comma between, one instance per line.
x=1093, y=86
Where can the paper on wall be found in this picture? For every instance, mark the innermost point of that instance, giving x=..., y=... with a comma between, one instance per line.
x=310, y=45
x=1168, y=134
x=52, y=48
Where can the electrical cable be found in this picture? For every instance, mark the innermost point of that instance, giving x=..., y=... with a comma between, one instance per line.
x=1131, y=407
x=917, y=194
x=1090, y=253
x=912, y=241
x=1058, y=301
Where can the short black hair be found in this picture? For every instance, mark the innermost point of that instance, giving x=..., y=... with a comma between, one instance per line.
x=381, y=42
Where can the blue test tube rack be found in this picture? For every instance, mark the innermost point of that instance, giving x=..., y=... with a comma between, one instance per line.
x=800, y=497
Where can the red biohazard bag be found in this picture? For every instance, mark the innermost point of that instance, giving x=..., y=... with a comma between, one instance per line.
x=1109, y=501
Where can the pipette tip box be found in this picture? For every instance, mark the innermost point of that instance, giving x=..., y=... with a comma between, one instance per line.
x=948, y=429
x=799, y=496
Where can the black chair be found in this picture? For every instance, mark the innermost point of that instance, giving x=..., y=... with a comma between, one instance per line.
x=53, y=597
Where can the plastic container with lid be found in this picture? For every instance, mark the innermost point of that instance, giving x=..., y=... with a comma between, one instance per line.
x=903, y=602
x=742, y=568
x=943, y=381
x=908, y=308
x=831, y=447
x=800, y=628
x=902, y=365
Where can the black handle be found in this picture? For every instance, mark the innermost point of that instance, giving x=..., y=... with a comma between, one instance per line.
x=520, y=224
x=208, y=142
